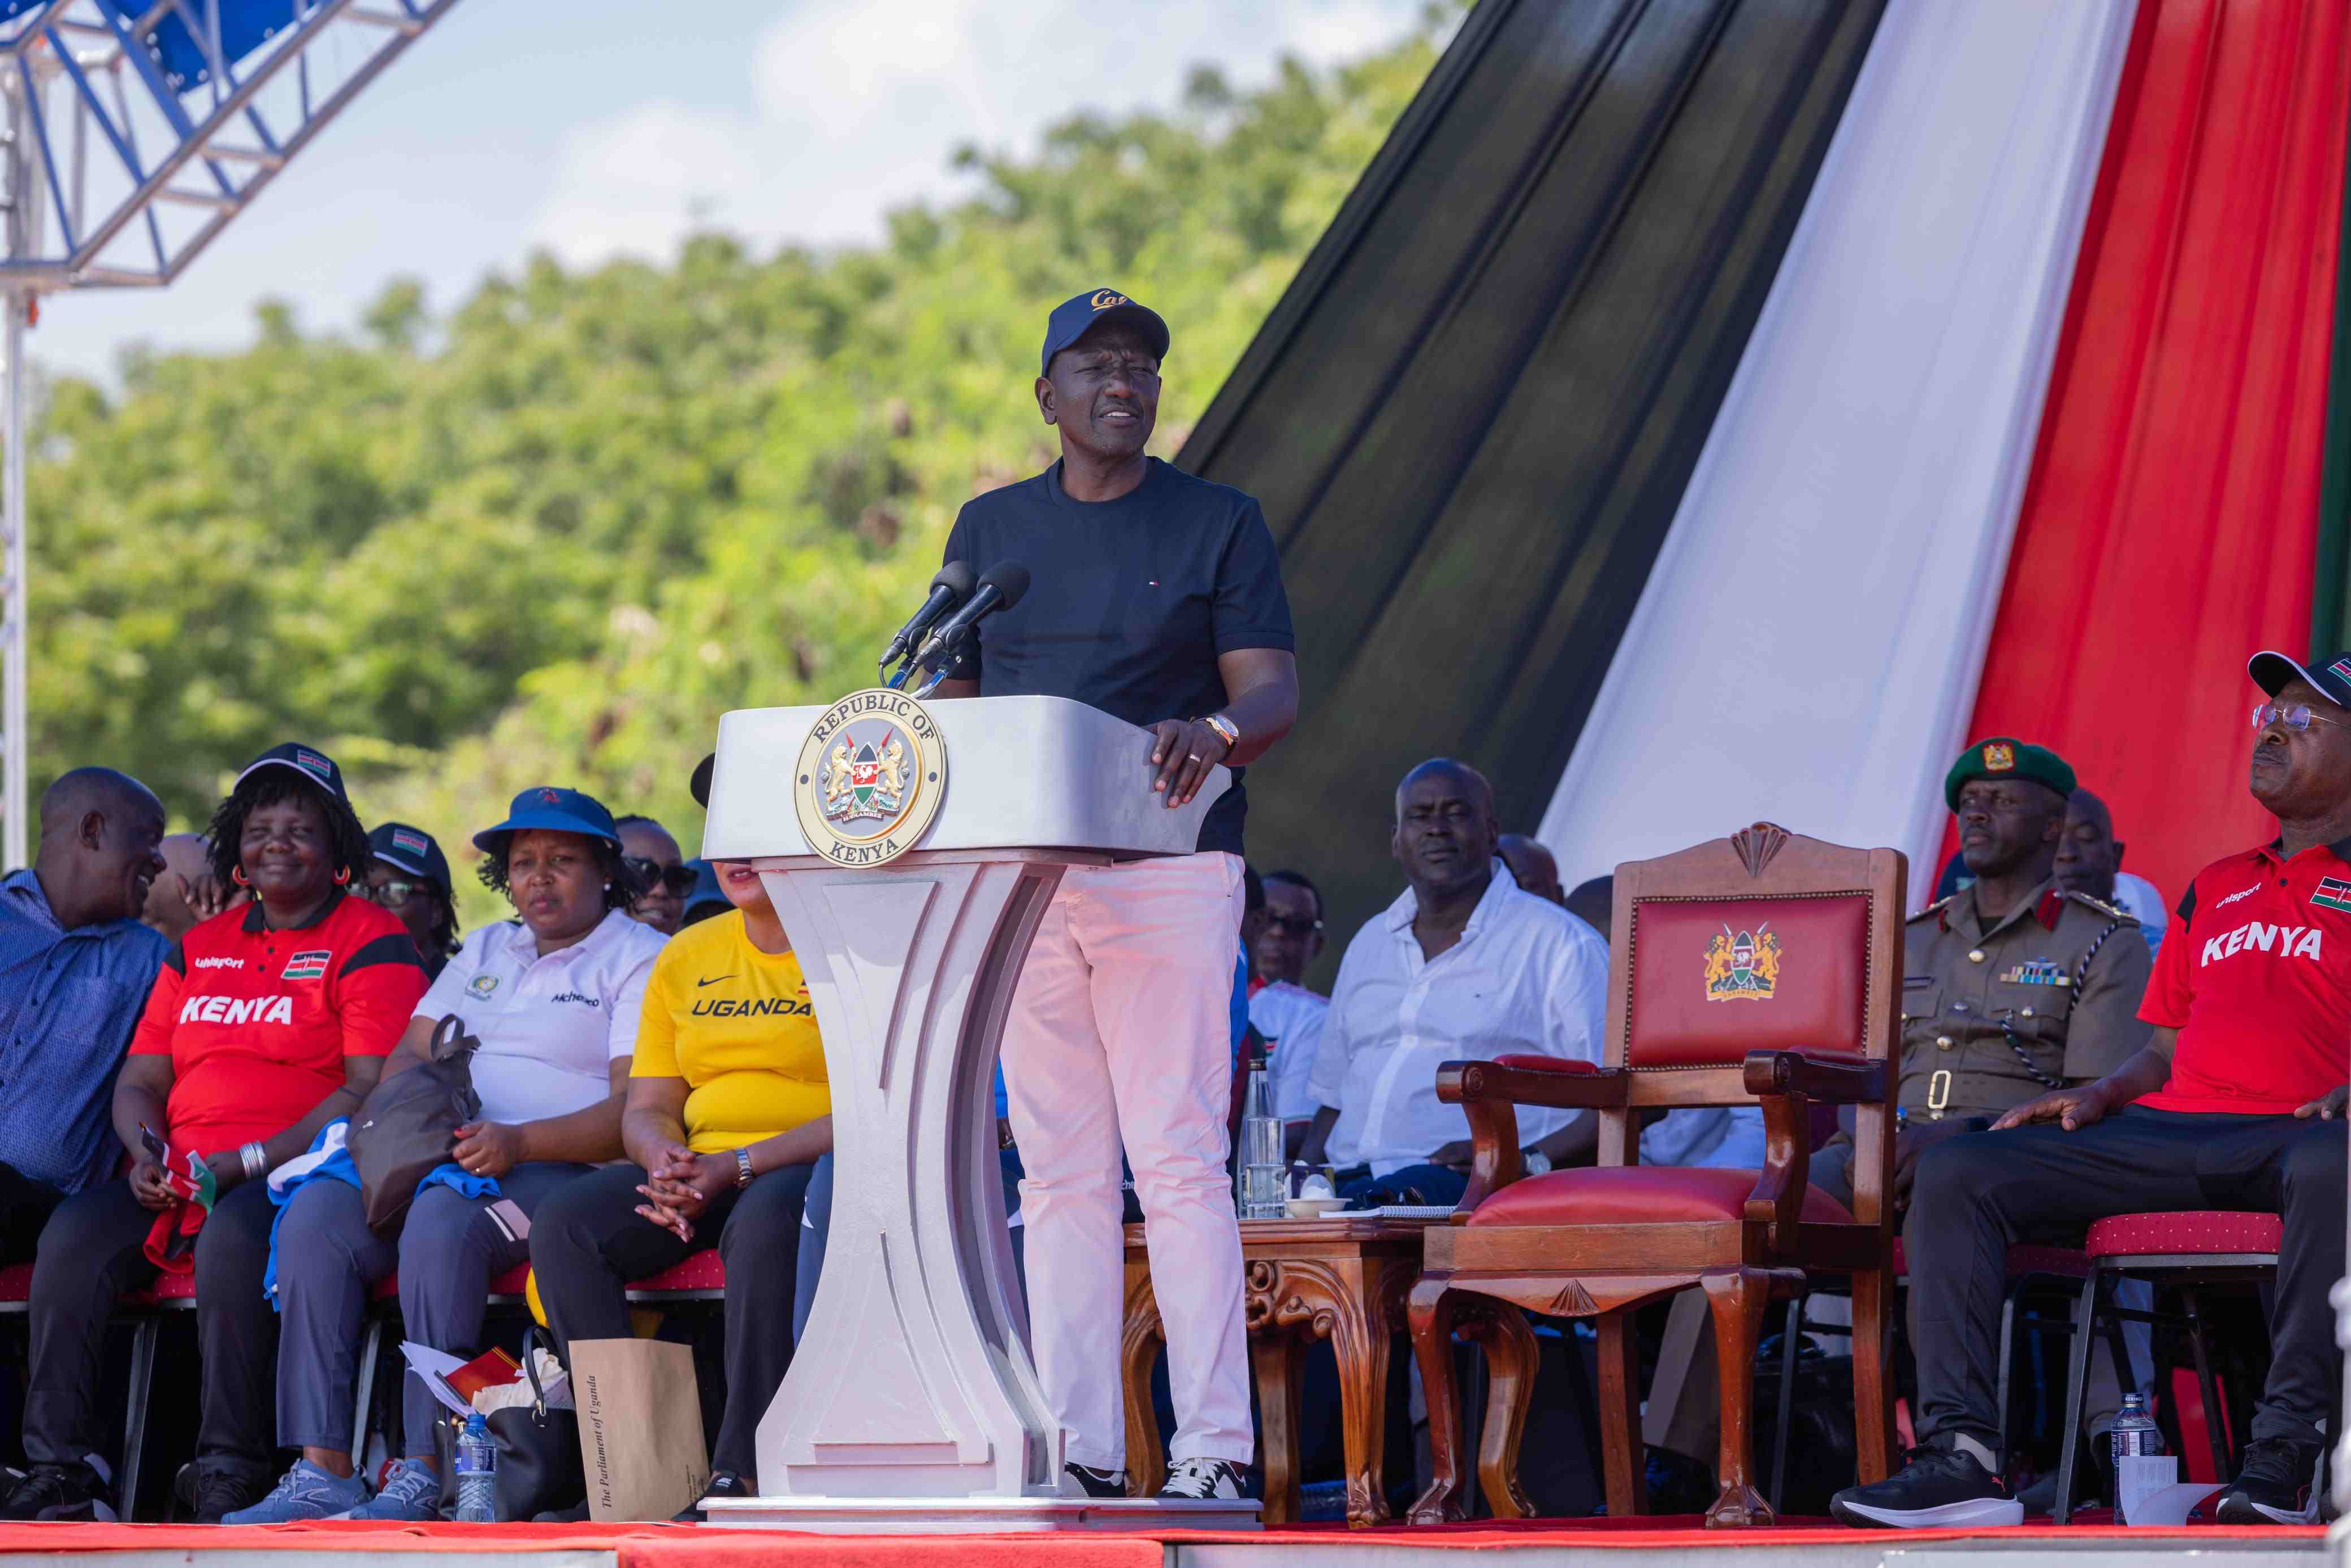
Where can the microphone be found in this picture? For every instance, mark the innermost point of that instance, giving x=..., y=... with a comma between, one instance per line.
x=1000, y=588
x=950, y=588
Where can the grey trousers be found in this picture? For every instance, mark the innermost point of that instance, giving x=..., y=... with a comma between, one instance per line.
x=328, y=1259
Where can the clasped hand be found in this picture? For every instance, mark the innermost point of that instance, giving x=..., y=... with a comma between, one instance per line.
x=679, y=1186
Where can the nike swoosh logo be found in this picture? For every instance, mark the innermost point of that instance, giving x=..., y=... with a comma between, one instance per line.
x=699, y=984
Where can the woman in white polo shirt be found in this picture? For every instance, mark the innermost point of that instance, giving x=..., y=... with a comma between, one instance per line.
x=553, y=996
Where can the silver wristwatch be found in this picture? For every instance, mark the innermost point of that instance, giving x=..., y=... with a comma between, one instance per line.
x=742, y=1168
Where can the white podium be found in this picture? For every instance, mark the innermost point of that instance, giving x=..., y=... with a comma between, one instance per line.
x=912, y=1404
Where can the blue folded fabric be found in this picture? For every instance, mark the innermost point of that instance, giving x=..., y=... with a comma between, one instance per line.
x=466, y=1184
x=328, y=1159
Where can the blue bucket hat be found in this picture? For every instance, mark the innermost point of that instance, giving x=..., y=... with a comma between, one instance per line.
x=553, y=811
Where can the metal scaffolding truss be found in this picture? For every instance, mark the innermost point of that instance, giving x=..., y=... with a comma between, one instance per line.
x=136, y=131
x=131, y=131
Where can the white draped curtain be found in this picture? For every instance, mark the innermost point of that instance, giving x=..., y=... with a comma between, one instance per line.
x=1807, y=647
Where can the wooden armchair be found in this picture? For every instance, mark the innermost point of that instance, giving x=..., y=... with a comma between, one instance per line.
x=1762, y=969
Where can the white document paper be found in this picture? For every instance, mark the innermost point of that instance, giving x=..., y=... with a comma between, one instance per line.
x=2152, y=1493
x=435, y=1367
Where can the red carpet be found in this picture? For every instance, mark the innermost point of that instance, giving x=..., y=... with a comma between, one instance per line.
x=688, y=1546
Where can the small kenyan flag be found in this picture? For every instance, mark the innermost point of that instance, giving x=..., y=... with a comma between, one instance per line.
x=2333, y=893
x=312, y=964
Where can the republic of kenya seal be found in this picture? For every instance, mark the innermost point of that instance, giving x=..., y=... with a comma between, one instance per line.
x=870, y=777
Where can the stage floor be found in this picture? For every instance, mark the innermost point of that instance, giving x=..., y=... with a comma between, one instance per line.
x=1651, y=1544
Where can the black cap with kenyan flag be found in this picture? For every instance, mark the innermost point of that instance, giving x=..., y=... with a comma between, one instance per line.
x=312, y=764
x=2330, y=678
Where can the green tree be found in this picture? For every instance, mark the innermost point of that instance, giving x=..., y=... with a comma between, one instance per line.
x=551, y=537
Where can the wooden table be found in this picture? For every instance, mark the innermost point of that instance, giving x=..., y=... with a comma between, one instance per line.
x=1302, y=1280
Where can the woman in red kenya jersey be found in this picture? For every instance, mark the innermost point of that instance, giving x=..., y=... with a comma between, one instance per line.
x=266, y=1022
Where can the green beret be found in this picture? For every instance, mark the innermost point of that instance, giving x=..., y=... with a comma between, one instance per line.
x=2005, y=757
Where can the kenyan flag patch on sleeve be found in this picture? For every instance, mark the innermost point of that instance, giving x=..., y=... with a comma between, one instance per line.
x=312, y=964
x=2333, y=893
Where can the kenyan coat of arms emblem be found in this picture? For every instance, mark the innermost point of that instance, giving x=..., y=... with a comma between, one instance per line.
x=870, y=777
x=1742, y=965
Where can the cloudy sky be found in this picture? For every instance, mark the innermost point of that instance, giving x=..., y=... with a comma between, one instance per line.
x=602, y=128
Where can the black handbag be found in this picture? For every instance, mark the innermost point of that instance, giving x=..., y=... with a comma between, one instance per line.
x=408, y=1125
x=538, y=1451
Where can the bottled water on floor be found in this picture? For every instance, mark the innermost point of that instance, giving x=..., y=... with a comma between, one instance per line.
x=477, y=1465
x=2136, y=1435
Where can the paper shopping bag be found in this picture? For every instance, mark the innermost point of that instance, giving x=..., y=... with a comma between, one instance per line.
x=640, y=1429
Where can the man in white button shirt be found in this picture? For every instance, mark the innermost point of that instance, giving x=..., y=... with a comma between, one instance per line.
x=1462, y=965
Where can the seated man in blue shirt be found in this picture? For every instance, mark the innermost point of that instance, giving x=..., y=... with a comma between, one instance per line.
x=74, y=968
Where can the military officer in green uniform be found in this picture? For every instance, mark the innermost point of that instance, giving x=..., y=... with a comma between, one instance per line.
x=2012, y=985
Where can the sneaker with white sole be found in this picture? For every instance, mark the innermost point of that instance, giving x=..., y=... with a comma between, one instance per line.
x=303, y=1492
x=1095, y=1482
x=1936, y=1488
x=411, y=1494
x=1203, y=1480
x=2278, y=1485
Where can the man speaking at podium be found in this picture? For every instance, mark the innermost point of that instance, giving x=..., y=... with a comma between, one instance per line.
x=1155, y=597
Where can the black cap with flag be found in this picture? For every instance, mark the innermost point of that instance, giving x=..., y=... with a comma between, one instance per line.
x=1073, y=318
x=412, y=849
x=308, y=761
x=2330, y=677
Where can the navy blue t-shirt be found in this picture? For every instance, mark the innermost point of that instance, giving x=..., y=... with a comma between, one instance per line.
x=1129, y=603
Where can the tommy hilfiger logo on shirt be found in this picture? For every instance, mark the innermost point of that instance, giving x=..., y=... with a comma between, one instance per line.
x=2333, y=893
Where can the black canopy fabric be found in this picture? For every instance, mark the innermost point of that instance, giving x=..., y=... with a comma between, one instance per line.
x=1472, y=415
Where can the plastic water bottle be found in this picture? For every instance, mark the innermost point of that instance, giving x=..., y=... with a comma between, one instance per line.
x=2136, y=1435
x=1265, y=1179
x=477, y=1468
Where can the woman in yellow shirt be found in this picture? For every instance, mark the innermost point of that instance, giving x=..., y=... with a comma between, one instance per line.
x=728, y=1111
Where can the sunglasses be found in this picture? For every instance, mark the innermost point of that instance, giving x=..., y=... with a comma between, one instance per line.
x=1291, y=925
x=392, y=893
x=677, y=878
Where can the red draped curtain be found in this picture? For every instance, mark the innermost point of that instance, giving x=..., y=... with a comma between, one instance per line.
x=2169, y=527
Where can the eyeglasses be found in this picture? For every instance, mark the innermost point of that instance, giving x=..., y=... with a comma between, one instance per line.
x=2296, y=718
x=390, y=893
x=677, y=878
x=1291, y=925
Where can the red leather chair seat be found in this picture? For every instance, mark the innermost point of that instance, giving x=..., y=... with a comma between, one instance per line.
x=2194, y=1230
x=1638, y=1195
x=16, y=1282
x=170, y=1287
x=703, y=1271
x=512, y=1282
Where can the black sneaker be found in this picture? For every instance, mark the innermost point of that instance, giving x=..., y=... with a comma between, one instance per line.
x=2277, y=1485
x=1097, y=1483
x=210, y=1493
x=723, y=1484
x=1935, y=1487
x=58, y=1492
x=1203, y=1480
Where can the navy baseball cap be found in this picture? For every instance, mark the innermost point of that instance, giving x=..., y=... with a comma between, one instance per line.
x=706, y=890
x=1073, y=318
x=556, y=811
x=2330, y=679
x=412, y=849
x=307, y=760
